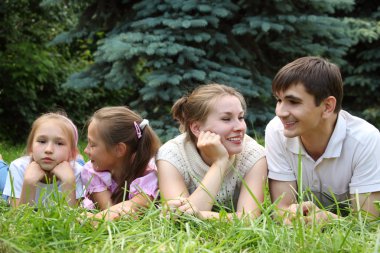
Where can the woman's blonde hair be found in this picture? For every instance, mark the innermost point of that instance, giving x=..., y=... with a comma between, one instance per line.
x=196, y=106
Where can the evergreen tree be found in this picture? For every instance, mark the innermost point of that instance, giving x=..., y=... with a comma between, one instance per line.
x=161, y=49
x=362, y=72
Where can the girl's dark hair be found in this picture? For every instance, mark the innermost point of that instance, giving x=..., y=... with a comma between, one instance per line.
x=116, y=125
x=196, y=106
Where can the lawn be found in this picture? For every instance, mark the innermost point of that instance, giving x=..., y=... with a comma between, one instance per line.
x=57, y=229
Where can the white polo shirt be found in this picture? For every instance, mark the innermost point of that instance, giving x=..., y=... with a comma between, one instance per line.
x=349, y=165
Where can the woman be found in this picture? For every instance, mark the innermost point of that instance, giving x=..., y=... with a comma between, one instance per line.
x=208, y=161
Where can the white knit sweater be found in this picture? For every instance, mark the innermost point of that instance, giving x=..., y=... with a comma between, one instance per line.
x=183, y=155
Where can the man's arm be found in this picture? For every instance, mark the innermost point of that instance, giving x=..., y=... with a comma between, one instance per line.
x=284, y=190
x=288, y=207
x=365, y=202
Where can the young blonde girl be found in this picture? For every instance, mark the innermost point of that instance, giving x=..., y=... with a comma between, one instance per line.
x=51, y=151
x=121, y=148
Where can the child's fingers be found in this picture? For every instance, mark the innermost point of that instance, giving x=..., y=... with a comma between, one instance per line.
x=81, y=219
x=89, y=217
x=84, y=217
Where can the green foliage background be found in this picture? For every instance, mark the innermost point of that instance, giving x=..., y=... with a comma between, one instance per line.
x=148, y=53
x=32, y=72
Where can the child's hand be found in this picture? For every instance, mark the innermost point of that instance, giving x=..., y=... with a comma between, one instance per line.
x=105, y=215
x=64, y=172
x=89, y=217
x=211, y=146
x=34, y=173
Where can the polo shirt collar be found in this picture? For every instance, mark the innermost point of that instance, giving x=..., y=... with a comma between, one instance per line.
x=335, y=145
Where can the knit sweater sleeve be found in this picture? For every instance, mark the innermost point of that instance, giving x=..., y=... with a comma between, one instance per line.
x=171, y=152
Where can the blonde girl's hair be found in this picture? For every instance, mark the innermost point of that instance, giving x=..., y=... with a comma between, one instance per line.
x=196, y=106
x=66, y=125
x=117, y=124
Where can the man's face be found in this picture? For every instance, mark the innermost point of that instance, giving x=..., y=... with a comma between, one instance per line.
x=297, y=110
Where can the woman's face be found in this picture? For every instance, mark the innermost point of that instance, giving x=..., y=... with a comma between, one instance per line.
x=226, y=118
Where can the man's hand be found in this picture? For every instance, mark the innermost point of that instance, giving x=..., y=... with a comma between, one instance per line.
x=308, y=212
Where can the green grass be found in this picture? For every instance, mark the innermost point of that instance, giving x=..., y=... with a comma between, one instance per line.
x=11, y=152
x=56, y=229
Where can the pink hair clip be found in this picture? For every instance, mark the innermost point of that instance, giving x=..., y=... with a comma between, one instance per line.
x=138, y=130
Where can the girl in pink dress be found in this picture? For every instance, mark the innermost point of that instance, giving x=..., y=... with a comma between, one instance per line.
x=121, y=175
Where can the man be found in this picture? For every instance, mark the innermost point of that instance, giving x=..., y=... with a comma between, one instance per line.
x=340, y=153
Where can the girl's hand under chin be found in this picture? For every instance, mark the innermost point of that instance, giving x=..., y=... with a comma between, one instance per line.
x=34, y=173
x=64, y=172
